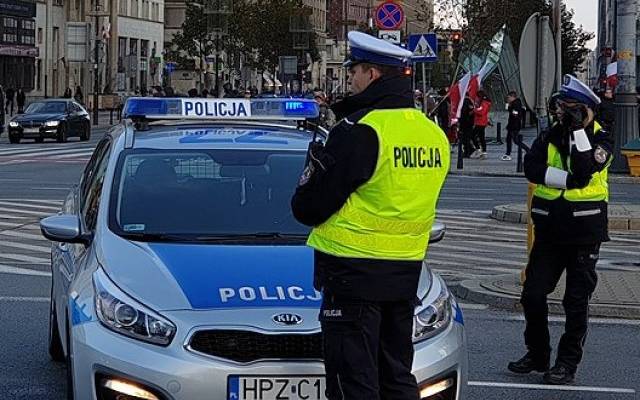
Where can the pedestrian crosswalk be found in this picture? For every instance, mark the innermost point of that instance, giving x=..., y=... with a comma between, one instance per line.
x=71, y=152
x=474, y=245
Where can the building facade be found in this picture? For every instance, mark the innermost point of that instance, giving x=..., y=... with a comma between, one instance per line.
x=18, y=51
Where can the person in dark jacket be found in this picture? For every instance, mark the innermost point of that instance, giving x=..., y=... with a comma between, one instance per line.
x=369, y=290
x=9, y=96
x=442, y=112
x=67, y=93
x=516, y=111
x=78, y=95
x=466, y=126
x=569, y=210
x=606, y=113
x=2, y=119
x=20, y=99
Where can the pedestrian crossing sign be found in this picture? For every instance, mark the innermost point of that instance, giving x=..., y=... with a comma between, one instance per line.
x=424, y=47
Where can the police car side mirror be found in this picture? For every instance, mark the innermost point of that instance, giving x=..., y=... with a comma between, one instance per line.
x=63, y=228
x=437, y=232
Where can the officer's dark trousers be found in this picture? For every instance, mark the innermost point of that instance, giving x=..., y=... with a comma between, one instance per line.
x=546, y=264
x=368, y=349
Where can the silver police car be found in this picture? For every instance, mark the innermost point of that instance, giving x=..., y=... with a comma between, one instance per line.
x=180, y=273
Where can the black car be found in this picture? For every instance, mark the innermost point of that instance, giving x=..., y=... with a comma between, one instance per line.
x=54, y=118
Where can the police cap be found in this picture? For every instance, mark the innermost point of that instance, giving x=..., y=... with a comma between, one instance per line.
x=366, y=48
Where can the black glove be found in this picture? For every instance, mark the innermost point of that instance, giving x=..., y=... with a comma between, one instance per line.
x=577, y=182
x=318, y=157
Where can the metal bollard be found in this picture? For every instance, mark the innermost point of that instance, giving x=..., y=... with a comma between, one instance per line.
x=499, y=133
x=519, y=164
x=460, y=164
x=111, y=116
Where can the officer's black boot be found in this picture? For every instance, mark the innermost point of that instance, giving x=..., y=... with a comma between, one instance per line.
x=529, y=364
x=559, y=375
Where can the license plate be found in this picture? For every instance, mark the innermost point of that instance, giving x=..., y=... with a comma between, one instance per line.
x=276, y=387
x=31, y=130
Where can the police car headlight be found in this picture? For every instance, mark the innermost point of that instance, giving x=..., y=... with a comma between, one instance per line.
x=120, y=313
x=52, y=123
x=431, y=319
x=13, y=124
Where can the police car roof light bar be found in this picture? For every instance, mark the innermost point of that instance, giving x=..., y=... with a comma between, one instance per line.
x=200, y=109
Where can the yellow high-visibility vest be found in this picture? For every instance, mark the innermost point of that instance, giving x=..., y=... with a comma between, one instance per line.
x=596, y=190
x=390, y=216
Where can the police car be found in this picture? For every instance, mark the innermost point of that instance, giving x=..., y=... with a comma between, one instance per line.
x=180, y=273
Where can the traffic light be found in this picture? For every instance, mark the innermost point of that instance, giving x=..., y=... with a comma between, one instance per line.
x=456, y=38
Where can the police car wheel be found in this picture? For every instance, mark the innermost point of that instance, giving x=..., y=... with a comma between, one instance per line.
x=55, y=343
x=69, y=363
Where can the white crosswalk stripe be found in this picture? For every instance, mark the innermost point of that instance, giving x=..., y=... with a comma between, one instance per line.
x=51, y=152
x=474, y=244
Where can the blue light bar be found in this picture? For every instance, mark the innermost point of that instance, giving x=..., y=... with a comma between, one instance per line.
x=220, y=109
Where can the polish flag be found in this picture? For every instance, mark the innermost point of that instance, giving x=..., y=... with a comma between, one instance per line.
x=612, y=75
x=456, y=96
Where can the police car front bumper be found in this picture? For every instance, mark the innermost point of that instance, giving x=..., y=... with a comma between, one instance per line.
x=175, y=373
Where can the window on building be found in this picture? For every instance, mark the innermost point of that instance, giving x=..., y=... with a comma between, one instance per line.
x=144, y=13
x=122, y=52
x=9, y=38
x=39, y=35
x=10, y=22
x=155, y=11
x=134, y=8
x=133, y=47
x=144, y=48
x=58, y=2
x=28, y=40
x=30, y=25
x=124, y=4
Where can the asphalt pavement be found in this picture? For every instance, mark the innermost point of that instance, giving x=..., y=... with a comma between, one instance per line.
x=34, y=178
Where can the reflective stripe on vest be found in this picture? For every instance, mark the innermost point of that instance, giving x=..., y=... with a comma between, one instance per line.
x=390, y=216
x=596, y=190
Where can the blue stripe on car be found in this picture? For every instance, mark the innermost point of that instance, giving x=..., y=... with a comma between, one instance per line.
x=238, y=276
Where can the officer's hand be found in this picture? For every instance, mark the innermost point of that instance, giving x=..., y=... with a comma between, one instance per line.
x=574, y=118
x=319, y=157
x=577, y=182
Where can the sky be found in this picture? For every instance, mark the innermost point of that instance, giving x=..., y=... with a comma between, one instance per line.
x=586, y=14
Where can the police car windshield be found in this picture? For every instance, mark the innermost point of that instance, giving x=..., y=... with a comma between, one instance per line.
x=206, y=195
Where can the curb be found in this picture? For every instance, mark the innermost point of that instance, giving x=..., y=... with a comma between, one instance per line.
x=622, y=180
x=514, y=213
x=472, y=291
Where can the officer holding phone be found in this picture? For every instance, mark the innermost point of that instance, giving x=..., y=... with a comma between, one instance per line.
x=569, y=164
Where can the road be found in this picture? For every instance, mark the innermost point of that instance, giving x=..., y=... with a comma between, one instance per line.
x=35, y=177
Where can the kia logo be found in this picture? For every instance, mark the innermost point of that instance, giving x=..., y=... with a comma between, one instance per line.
x=287, y=319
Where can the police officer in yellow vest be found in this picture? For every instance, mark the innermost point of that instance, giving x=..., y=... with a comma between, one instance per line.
x=370, y=194
x=569, y=165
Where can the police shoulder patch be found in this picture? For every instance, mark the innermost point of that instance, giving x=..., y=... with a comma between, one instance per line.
x=600, y=155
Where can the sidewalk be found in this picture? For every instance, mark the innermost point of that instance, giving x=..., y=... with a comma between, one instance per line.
x=494, y=166
x=625, y=217
x=617, y=294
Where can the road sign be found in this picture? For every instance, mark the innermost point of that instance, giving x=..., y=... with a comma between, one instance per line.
x=171, y=66
x=537, y=62
x=390, y=36
x=424, y=47
x=389, y=16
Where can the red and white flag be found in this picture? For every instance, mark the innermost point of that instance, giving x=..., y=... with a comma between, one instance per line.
x=457, y=93
x=612, y=75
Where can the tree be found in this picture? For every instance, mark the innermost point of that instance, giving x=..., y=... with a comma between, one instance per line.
x=574, y=40
x=479, y=20
x=257, y=29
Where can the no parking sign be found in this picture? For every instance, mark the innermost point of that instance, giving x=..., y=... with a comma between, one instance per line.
x=389, y=16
